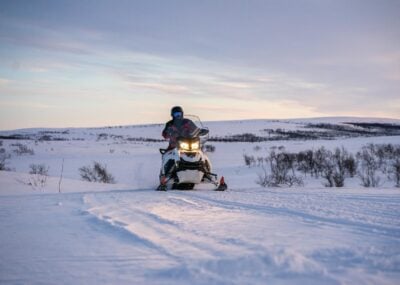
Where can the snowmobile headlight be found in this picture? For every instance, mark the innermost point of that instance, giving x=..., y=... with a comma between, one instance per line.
x=184, y=145
x=195, y=145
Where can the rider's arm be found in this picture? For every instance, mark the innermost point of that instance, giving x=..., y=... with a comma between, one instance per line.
x=166, y=133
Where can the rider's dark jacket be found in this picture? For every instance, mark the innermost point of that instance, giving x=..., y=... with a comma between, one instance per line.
x=177, y=128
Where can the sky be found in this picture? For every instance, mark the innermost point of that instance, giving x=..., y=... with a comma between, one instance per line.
x=87, y=63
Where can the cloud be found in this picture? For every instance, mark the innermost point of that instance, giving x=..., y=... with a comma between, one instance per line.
x=230, y=88
x=386, y=58
x=393, y=76
x=161, y=87
x=25, y=105
x=234, y=85
x=277, y=109
x=28, y=34
x=208, y=79
x=4, y=82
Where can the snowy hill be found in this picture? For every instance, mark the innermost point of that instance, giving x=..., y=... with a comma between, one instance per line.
x=127, y=233
x=348, y=126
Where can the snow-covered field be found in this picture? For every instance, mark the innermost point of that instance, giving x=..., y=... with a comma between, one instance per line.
x=127, y=233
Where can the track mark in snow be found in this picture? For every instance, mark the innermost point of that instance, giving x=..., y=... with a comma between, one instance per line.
x=173, y=238
x=121, y=229
x=211, y=232
x=182, y=201
x=325, y=216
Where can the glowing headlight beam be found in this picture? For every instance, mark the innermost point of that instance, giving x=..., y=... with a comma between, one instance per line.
x=184, y=145
x=195, y=146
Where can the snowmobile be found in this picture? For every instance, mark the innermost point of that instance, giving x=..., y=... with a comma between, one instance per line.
x=187, y=165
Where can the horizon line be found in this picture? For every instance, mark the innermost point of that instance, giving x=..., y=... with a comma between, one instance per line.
x=208, y=121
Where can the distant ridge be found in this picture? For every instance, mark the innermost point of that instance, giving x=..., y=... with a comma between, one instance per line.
x=332, y=119
x=250, y=130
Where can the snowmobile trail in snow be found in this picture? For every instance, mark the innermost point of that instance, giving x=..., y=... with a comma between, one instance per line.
x=380, y=218
x=243, y=236
x=211, y=231
x=172, y=235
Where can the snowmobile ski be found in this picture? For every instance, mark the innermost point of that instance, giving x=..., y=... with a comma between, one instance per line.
x=163, y=184
x=161, y=188
x=222, y=185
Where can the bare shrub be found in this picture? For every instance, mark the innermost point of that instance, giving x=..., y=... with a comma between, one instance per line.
x=279, y=171
x=22, y=149
x=41, y=169
x=249, y=160
x=293, y=180
x=266, y=179
x=102, y=136
x=320, y=157
x=316, y=162
x=257, y=148
x=350, y=165
x=260, y=160
x=326, y=167
x=39, y=174
x=4, y=157
x=393, y=164
x=96, y=173
x=209, y=148
x=385, y=158
x=387, y=155
x=369, y=165
x=341, y=158
x=279, y=167
x=395, y=173
x=380, y=154
x=338, y=179
x=332, y=166
x=305, y=162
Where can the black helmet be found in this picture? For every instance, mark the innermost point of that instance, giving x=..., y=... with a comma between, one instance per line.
x=176, y=110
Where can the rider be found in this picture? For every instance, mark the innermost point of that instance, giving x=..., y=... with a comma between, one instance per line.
x=177, y=127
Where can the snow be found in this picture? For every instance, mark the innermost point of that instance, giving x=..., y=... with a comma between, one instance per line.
x=127, y=233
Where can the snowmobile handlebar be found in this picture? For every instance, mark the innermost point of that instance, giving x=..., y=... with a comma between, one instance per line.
x=199, y=132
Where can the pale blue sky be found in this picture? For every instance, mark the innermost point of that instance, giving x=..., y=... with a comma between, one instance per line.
x=95, y=63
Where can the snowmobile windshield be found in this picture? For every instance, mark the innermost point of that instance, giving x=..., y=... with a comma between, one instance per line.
x=195, y=119
x=199, y=131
